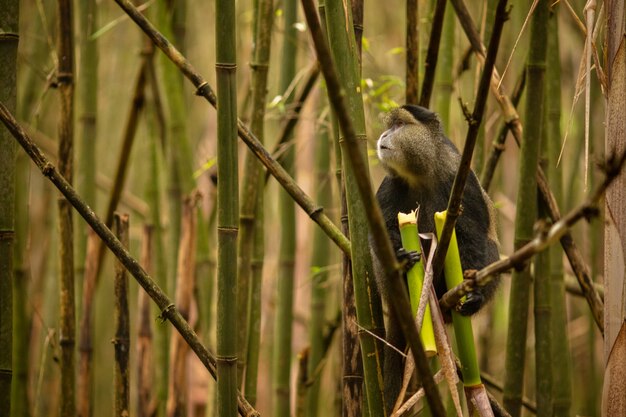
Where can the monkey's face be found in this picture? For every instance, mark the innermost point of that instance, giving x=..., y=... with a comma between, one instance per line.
x=407, y=148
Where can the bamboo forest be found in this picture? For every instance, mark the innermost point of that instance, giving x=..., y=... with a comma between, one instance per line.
x=312, y=208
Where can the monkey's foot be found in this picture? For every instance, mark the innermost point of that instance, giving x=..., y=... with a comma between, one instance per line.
x=473, y=302
x=408, y=258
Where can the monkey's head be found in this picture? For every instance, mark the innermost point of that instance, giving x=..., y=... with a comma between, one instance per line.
x=414, y=146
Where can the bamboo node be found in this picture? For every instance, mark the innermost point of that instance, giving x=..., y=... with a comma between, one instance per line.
x=47, y=169
x=166, y=312
x=315, y=211
x=226, y=359
x=200, y=90
x=7, y=235
x=259, y=66
x=65, y=78
x=225, y=66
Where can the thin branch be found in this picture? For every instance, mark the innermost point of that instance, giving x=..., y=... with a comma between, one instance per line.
x=430, y=66
x=498, y=145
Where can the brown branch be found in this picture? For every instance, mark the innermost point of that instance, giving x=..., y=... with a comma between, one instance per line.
x=456, y=195
x=315, y=212
x=432, y=54
x=498, y=145
x=412, y=51
x=121, y=341
x=293, y=115
x=540, y=242
x=168, y=309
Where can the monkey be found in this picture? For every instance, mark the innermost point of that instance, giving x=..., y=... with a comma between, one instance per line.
x=421, y=164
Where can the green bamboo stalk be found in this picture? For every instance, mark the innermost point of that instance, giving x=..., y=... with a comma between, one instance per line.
x=463, y=331
x=179, y=162
x=153, y=196
x=351, y=401
x=561, y=362
x=228, y=208
x=252, y=191
x=166, y=306
x=543, y=334
x=121, y=341
x=87, y=91
x=407, y=223
x=369, y=315
x=20, y=404
x=542, y=302
x=526, y=211
x=146, y=405
x=9, y=37
x=444, y=68
x=177, y=142
x=285, y=281
x=65, y=79
x=381, y=243
x=185, y=283
x=320, y=260
x=254, y=313
x=154, y=199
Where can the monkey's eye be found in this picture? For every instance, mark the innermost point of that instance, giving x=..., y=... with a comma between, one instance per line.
x=400, y=123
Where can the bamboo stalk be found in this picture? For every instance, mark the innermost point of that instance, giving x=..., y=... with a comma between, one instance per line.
x=85, y=387
x=251, y=191
x=254, y=313
x=314, y=211
x=96, y=251
x=9, y=38
x=121, y=341
x=167, y=308
x=87, y=90
x=21, y=406
x=350, y=401
x=185, y=282
x=382, y=244
x=282, y=355
x=407, y=223
x=65, y=79
x=526, y=212
x=146, y=402
x=561, y=362
x=369, y=313
x=320, y=260
x=227, y=208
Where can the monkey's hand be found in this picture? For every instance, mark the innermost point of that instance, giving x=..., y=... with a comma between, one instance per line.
x=408, y=258
x=473, y=302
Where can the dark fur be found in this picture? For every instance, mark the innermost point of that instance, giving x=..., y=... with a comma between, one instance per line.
x=435, y=176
